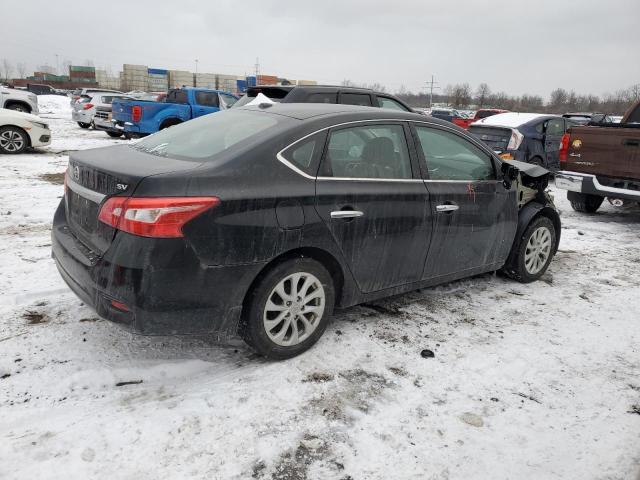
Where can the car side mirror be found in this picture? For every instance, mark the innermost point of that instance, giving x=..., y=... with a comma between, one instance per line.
x=509, y=175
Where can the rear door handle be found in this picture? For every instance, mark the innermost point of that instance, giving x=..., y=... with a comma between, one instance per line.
x=631, y=143
x=346, y=214
x=448, y=207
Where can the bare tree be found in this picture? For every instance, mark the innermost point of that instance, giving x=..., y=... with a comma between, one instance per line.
x=6, y=69
x=482, y=94
x=21, y=67
x=347, y=83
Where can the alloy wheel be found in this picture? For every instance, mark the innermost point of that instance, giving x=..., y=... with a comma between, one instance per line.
x=11, y=141
x=538, y=250
x=294, y=309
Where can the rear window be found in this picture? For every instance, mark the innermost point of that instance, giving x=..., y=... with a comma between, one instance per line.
x=209, y=135
x=274, y=93
x=362, y=99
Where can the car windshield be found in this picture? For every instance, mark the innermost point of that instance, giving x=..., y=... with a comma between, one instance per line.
x=209, y=135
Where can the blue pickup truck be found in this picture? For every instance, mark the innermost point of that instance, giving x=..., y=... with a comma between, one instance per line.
x=137, y=118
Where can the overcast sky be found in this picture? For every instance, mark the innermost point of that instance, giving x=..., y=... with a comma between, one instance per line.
x=591, y=46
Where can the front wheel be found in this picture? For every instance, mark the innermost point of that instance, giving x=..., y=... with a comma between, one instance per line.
x=585, y=203
x=84, y=125
x=288, y=310
x=534, y=252
x=13, y=140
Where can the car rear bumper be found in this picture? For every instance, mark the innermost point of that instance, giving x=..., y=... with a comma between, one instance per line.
x=40, y=137
x=81, y=116
x=175, y=295
x=589, y=184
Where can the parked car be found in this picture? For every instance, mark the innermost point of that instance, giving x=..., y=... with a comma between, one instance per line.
x=84, y=109
x=20, y=131
x=487, y=112
x=599, y=162
x=19, y=100
x=453, y=116
x=40, y=89
x=325, y=94
x=102, y=118
x=526, y=137
x=83, y=92
x=589, y=118
x=256, y=222
x=137, y=118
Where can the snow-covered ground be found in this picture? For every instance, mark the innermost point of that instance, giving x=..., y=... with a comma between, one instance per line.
x=535, y=381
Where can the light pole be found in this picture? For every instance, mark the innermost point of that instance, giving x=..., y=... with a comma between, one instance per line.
x=196, y=66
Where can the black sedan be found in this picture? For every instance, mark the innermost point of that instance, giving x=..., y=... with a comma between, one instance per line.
x=257, y=222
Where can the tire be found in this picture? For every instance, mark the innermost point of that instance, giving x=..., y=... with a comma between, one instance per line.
x=293, y=330
x=19, y=107
x=534, y=251
x=114, y=134
x=84, y=125
x=13, y=140
x=585, y=203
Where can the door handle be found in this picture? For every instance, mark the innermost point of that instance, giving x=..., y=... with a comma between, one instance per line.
x=448, y=207
x=631, y=143
x=346, y=214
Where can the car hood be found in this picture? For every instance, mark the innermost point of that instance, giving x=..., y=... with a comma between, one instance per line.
x=6, y=113
x=533, y=171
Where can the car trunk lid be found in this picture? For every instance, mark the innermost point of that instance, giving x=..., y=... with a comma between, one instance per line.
x=496, y=138
x=95, y=175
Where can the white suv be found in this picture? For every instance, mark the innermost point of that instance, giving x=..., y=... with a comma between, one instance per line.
x=18, y=100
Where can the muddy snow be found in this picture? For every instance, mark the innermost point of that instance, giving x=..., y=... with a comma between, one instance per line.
x=535, y=381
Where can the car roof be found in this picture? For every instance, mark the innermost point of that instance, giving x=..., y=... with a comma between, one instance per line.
x=320, y=88
x=512, y=119
x=305, y=111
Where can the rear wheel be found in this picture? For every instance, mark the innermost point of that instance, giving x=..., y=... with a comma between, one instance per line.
x=585, y=203
x=13, y=140
x=538, y=161
x=534, y=252
x=84, y=125
x=289, y=308
x=114, y=134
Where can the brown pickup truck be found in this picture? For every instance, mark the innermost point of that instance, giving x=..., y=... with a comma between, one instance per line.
x=601, y=161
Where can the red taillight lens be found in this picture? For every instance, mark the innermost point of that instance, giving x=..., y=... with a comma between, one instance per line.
x=564, y=148
x=136, y=113
x=87, y=106
x=123, y=307
x=154, y=217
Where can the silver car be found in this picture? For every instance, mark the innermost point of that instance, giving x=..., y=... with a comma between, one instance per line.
x=85, y=108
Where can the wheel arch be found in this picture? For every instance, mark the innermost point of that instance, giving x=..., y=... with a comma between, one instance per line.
x=528, y=214
x=8, y=104
x=22, y=129
x=169, y=122
x=326, y=259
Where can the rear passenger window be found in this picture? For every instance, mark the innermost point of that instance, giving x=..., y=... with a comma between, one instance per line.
x=322, y=98
x=304, y=155
x=207, y=99
x=450, y=157
x=373, y=151
x=555, y=126
x=177, y=96
x=356, y=99
x=384, y=102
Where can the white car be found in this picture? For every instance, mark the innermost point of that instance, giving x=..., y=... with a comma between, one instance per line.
x=19, y=131
x=84, y=110
x=78, y=93
x=18, y=100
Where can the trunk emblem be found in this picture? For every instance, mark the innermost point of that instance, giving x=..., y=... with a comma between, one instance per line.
x=76, y=172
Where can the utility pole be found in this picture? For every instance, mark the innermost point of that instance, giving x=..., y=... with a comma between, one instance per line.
x=57, y=65
x=196, y=66
x=257, y=68
x=431, y=86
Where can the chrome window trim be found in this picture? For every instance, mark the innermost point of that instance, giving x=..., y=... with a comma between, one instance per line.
x=84, y=192
x=287, y=163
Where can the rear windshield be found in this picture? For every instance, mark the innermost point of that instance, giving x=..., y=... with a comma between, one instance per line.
x=209, y=135
x=485, y=114
x=274, y=93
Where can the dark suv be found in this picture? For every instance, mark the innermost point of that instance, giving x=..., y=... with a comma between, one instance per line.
x=325, y=94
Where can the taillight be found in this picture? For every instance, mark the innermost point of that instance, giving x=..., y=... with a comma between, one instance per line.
x=87, y=106
x=515, y=140
x=136, y=113
x=564, y=148
x=154, y=217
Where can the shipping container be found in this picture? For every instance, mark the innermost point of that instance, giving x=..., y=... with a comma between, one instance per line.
x=251, y=81
x=307, y=82
x=81, y=68
x=241, y=86
x=267, y=80
x=157, y=71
